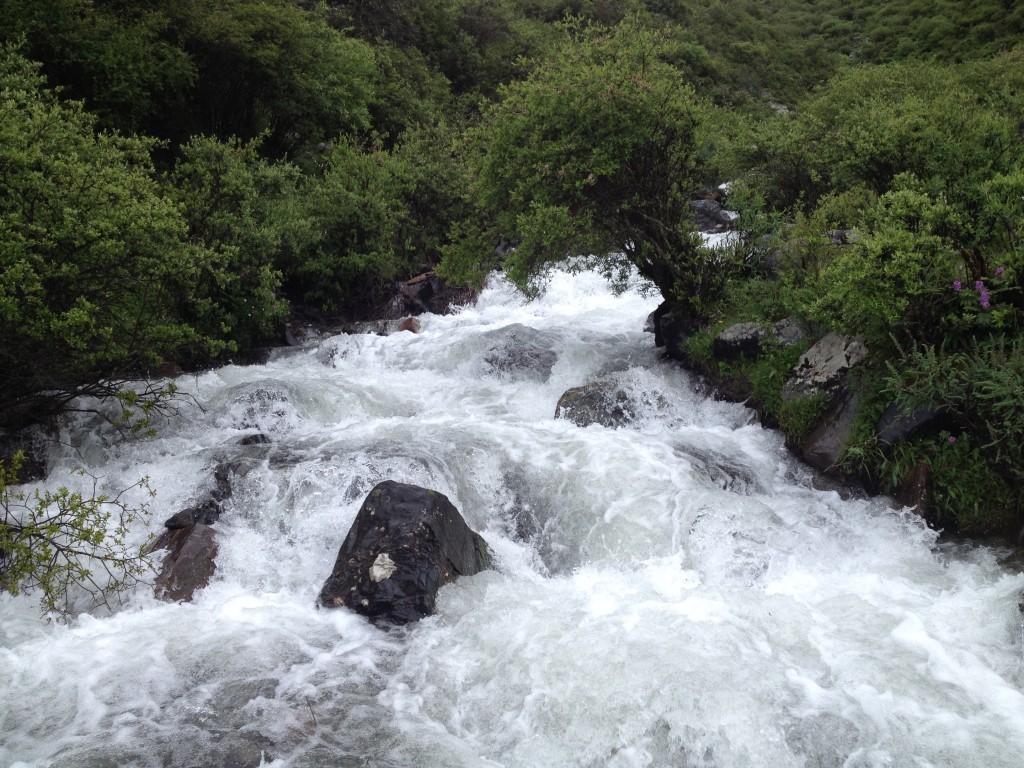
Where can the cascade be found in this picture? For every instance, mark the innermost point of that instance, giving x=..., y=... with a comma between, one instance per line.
x=672, y=592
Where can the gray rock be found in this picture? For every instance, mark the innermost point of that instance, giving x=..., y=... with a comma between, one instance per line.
x=748, y=339
x=383, y=327
x=788, y=332
x=405, y=544
x=899, y=424
x=739, y=340
x=523, y=353
x=843, y=236
x=601, y=402
x=825, y=444
x=709, y=216
x=822, y=367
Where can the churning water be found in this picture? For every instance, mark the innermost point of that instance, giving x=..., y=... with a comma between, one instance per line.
x=671, y=593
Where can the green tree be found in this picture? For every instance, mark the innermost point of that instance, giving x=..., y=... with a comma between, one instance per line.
x=357, y=209
x=379, y=215
x=95, y=265
x=270, y=66
x=595, y=152
x=117, y=57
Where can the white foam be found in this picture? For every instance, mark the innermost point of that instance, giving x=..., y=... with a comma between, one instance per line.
x=671, y=593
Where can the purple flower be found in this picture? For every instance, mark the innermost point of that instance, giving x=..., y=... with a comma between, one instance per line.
x=957, y=286
x=951, y=440
x=985, y=303
x=999, y=271
x=979, y=286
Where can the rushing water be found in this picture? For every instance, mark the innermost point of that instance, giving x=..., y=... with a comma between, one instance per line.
x=672, y=593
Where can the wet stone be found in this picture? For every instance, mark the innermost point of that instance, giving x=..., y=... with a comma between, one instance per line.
x=600, y=402
x=523, y=353
x=189, y=564
x=405, y=544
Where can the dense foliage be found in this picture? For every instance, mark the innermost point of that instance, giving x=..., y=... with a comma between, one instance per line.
x=919, y=165
x=97, y=275
x=594, y=152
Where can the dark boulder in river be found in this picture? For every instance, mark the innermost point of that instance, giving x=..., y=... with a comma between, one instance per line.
x=405, y=544
x=189, y=564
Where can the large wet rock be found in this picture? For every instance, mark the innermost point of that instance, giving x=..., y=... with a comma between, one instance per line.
x=189, y=564
x=427, y=292
x=600, y=402
x=191, y=543
x=523, y=353
x=824, y=445
x=405, y=544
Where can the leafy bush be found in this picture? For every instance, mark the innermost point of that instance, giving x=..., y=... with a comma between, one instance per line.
x=357, y=210
x=247, y=213
x=897, y=277
x=65, y=543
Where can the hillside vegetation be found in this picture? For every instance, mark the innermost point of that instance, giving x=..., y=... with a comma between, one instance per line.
x=179, y=174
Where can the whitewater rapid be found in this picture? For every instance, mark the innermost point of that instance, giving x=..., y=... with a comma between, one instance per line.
x=671, y=593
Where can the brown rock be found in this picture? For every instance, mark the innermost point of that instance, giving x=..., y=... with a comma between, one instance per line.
x=189, y=564
x=915, y=490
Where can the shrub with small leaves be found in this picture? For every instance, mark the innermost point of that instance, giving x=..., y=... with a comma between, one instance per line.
x=71, y=548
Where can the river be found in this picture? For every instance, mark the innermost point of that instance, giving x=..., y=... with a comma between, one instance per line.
x=676, y=592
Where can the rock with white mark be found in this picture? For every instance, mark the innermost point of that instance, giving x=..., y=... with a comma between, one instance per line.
x=405, y=544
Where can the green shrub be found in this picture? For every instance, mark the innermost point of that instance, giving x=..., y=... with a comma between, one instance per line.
x=246, y=212
x=63, y=544
x=979, y=466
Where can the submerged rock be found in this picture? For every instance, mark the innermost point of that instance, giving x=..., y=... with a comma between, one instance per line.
x=191, y=543
x=404, y=545
x=210, y=509
x=523, y=353
x=600, y=402
x=383, y=327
